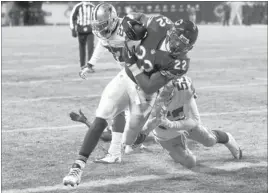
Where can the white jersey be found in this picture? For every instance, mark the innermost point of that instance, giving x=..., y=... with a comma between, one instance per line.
x=179, y=107
x=114, y=44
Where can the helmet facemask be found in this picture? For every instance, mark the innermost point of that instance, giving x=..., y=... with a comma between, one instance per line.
x=177, y=43
x=105, y=20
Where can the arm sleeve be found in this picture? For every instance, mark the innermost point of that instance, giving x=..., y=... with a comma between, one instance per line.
x=73, y=16
x=98, y=52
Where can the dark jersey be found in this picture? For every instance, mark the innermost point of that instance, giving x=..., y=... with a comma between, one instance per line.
x=150, y=58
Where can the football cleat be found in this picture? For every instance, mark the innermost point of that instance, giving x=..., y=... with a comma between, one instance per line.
x=233, y=147
x=74, y=176
x=109, y=159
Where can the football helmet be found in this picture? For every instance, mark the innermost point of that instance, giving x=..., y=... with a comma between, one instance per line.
x=181, y=37
x=104, y=20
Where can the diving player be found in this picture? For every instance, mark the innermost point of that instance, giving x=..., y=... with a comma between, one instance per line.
x=179, y=119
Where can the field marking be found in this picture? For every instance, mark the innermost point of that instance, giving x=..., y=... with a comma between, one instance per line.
x=11, y=83
x=240, y=165
x=265, y=79
x=252, y=111
x=232, y=166
x=98, y=95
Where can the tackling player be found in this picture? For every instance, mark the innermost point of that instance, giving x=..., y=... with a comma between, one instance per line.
x=179, y=119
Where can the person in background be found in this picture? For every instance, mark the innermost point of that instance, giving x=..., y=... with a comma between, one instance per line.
x=226, y=14
x=191, y=13
x=80, y=24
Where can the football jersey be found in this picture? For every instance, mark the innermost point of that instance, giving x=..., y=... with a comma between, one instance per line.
x=152, y=54
x=182, y=93
x=114, y=44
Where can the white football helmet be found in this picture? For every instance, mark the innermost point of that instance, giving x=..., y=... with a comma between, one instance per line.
x=104, y=20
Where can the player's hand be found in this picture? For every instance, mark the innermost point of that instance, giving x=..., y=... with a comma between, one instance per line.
x=140, y=139
x=78, y=117
x=86, y=70
x=74, y=33
x=128, y=27
x=129, y=55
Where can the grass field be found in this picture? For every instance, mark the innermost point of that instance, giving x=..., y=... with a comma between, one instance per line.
x=40, y=86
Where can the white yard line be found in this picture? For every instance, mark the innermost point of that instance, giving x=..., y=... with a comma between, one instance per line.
x=234, y=166
x=98, y=95
x=11, y=83
x=265, y=79
x=252, y=111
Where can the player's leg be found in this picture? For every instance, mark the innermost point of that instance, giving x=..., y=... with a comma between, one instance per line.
x=115, y=150
x=140, y=108
x=209, y=138
x=82, y=39
x=178, y=151
x=114, y=100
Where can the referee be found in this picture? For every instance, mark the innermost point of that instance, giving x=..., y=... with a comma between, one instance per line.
x=80, y=24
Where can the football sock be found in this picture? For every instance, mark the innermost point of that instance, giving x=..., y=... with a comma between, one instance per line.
x=222, y=136
x=92, y=137
x=115, y=147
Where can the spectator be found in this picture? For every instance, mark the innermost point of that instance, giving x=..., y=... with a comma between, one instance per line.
x=80, y=24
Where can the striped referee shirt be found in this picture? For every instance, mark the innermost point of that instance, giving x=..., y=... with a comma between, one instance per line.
x=81, y=14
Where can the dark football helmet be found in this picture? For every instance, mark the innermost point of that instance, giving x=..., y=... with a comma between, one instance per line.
x=181, y=37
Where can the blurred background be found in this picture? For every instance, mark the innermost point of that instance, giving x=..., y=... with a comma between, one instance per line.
x=20, y=13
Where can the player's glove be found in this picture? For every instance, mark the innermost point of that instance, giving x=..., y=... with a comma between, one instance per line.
x=140, y=139
x=134, y=29
x=74, y=33
x=78, y=117
x=88, y=68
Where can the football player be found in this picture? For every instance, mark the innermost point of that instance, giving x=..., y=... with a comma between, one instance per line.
x=179, y=119
x=120, y=94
